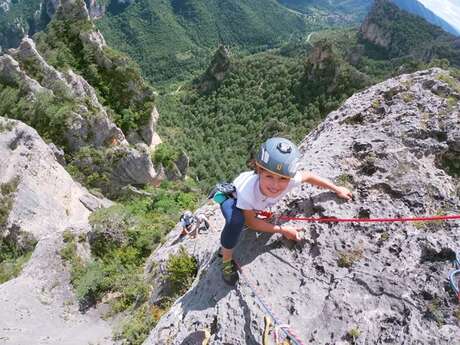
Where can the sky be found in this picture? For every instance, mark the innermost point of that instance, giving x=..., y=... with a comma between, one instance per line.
x=449, y=10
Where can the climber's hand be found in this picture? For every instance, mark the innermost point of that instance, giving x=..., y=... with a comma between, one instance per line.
x=344, y=193
x=290, y=232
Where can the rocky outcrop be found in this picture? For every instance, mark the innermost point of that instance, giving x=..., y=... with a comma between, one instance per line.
x=33, y=18
x=375, y=34
x=135, y=167
x=87, y=123
x=5, y=5
x=96, y=10
x=323, y=65
x=216, y=71
x=90, y=124
x=147, y=134
x=11, y=73
x=326, y=71
x=398, y=33
x=346, y=283
x=39, y=305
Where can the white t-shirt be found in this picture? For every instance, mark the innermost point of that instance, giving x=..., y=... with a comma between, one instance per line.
x=249, y=196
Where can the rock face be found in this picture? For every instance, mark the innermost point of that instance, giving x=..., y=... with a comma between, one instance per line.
x=147, y=134
x=135, y=167
x=373, y=33
x=322, y=64
x=39, y=305
x=384, y=283
x=216, y=71
x=11, y=73
x=399, y=33
x=328, y=72
x=87, y=122
x=91, y=124
x=5, y=5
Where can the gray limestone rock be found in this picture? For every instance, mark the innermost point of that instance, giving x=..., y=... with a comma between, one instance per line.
x=58, y=153
x=216, y=71
x=91, y=124
x=147, y=134
x=387, y=280
x=134, y=167
x=72, y=10
x=5, y=5
x=88, y=124
x=39, y=305
x=11, y=73
x=178, y=169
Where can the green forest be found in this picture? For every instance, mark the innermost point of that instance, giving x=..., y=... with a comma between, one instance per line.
x=262, y=95
x=171, y=40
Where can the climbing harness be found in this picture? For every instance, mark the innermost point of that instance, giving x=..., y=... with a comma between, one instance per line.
x=269, y=215
x=222, y=191
x=286, y=329
x=454, y=276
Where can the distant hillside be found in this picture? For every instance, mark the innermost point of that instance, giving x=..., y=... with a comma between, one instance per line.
x=171, y=39
x=338, y=12
x=18, y=18
x=396, y=33
x=417, y=8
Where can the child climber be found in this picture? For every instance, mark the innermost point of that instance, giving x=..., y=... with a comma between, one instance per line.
x=275, y=175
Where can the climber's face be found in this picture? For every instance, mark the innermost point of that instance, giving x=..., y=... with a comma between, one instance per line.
x=272, y=185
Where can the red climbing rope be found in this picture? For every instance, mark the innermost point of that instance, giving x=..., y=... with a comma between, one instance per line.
x=267, y=214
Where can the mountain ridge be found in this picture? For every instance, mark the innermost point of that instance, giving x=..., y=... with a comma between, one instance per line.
x=417, y=8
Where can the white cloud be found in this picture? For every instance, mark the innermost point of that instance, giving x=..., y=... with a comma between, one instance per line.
x=449, y=10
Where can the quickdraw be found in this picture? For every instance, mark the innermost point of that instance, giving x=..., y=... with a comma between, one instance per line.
x=454, y=277
x=286, y=329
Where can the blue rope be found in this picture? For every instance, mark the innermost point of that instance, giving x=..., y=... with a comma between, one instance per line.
x=453, y=274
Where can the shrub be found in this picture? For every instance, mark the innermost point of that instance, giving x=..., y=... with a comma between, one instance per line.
x=345, y=180
x=109, y=226
x=353, y=334
x=90, y=284
x=457, y=313
x=166, y=155
x=5, y=124
x=11, y=268
x=181, y=270
x=136, y=329
x=68, y=236
x=384, y=236
x=14, y=252
x=348, y=258
x=133, y=289
x=433, y=311
x=122, y=236
x=6, y=199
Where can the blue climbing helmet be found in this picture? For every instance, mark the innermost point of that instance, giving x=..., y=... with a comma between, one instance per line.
x=279, y=156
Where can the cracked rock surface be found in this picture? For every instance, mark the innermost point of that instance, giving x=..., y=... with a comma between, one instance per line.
x=392, y=144
x=39, y=306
